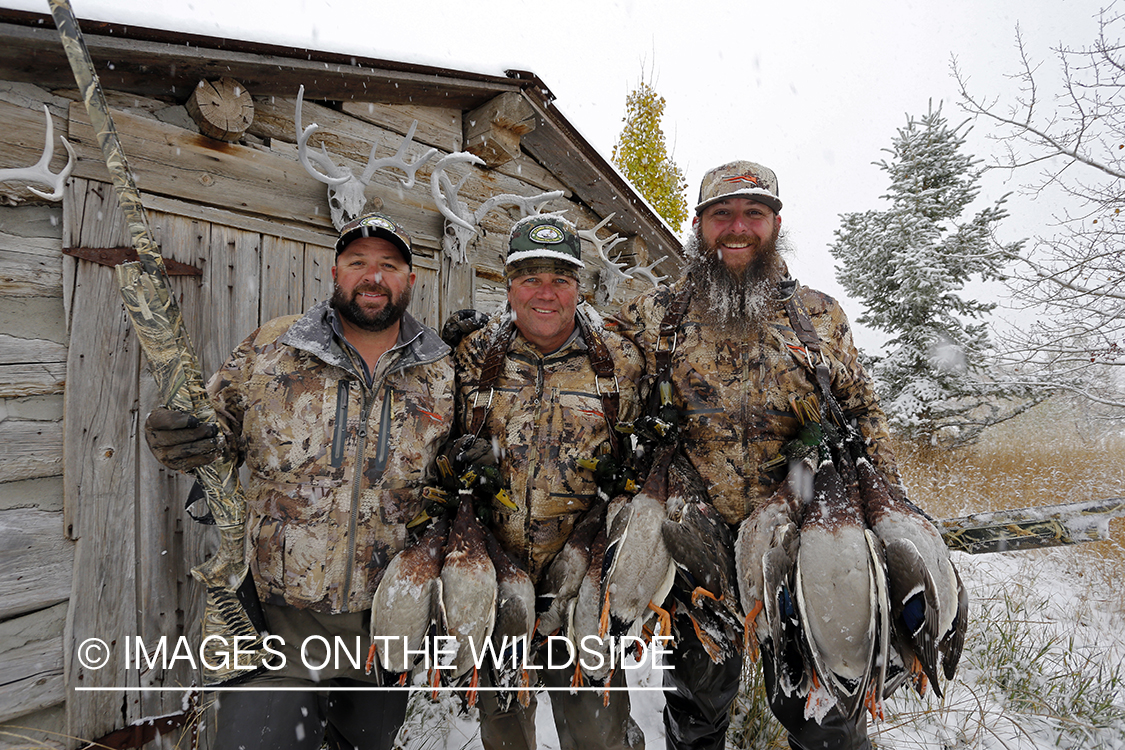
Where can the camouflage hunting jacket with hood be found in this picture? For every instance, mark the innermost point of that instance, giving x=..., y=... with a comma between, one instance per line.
x=545, y=414
x=734, y=390
x=337, y=462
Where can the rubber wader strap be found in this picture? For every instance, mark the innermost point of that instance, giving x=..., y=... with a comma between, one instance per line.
x=490, y=373
x=602, y=364
x=667, y=335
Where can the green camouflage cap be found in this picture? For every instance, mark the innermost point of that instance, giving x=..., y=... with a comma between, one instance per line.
x=739, y=179
x=544, y=241
x=376, y=225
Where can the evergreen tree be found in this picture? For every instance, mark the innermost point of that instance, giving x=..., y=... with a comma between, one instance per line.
x=909, y=266
x=642, y=156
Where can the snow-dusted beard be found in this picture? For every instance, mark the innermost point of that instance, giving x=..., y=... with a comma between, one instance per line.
x=735, y=299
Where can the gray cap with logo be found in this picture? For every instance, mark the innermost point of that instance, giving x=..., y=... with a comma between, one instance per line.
x=739, y=179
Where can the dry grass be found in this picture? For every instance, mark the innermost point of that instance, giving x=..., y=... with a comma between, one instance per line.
x=1043, y=458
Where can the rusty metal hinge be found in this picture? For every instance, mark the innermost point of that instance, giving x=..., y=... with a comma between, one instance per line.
x=113, y=256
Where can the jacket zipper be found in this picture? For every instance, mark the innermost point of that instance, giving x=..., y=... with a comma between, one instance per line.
x=361, y=448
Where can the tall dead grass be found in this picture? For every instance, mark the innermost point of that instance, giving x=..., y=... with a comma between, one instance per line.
x=1046, y=457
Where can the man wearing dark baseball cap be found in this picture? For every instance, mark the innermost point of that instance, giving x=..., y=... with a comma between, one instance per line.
x=337, y=413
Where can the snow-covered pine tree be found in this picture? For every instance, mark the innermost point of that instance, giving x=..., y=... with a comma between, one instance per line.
x=909, y=265
x=642, y=156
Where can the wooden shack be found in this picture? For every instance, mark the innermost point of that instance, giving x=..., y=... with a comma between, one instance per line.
x=94, y=541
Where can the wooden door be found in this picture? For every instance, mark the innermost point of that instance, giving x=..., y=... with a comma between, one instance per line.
x=135, y=546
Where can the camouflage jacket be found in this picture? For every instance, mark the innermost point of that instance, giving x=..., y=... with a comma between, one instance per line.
x=545, y=414
x=336, y=466
x=734, y=391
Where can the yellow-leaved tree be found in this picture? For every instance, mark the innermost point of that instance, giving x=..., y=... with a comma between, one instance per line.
x=642, y=156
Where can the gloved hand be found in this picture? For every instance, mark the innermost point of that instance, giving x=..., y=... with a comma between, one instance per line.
x=179, y=441
x=460, y=324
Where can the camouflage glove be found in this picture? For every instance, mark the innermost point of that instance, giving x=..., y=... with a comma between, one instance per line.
x=179, y=441
x=460, y=324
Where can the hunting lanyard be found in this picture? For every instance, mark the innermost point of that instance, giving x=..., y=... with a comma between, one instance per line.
x=600, y=361
x=810, y=343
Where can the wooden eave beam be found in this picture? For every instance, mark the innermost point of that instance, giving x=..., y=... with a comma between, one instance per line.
x=164, y=65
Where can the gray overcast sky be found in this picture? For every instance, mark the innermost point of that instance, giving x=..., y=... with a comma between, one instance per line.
x=813, y=89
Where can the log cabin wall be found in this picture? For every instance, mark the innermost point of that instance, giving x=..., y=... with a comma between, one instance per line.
x=94, y=541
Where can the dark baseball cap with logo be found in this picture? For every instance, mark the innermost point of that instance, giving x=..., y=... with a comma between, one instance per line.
x=543, y=244
x=376, y=225
x=739, y=179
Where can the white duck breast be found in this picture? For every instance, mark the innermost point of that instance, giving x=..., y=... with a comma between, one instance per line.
x=559, y=585
x=468, y=590
x=928, y=601
x=515, y=623
x=757, y=535
x=836, y=590
x=403, y=606
x=639, y=569
x=584, y=619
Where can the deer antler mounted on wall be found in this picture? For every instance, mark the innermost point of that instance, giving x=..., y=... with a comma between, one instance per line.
x=461, y=224
x=346, y=198
x=614, y=273
x=41, y=171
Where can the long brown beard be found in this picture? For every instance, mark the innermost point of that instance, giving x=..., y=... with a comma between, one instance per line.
x=739, y=300
x=381, y=320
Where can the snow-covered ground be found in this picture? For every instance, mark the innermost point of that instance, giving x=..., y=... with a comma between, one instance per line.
x=1042, y=669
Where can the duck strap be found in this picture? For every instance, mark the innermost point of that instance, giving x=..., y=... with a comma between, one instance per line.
x=806, y=333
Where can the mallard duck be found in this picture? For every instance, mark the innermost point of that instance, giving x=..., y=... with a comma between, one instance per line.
x=765, y=558
x=559, y=584
x=639, y=572
x=468, y=594
x=839, y=596
x=929, y=604
x=515, y=625
x=403, y=607
x=701, y=546
x=584, y=619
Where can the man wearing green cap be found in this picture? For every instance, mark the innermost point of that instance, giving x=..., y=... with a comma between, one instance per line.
x=336, y=414
x=723, y=337
x=546, y=385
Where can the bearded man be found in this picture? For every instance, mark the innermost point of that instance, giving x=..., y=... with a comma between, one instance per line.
x=337, y=414
x=723, y=337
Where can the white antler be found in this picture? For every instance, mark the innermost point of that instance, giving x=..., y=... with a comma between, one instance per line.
x=461, y=224
x=645, y=272
x=612, y=276
x=346, y=199
x=41, y=172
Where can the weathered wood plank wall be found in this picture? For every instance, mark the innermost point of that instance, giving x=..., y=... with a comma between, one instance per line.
x=36, y=557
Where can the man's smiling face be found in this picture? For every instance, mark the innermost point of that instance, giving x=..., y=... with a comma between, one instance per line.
x=543, y=305
x=737, y=229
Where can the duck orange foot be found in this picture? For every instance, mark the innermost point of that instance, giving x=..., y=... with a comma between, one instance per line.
x=370, y=663
x=665, y=619
x=748, y=636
